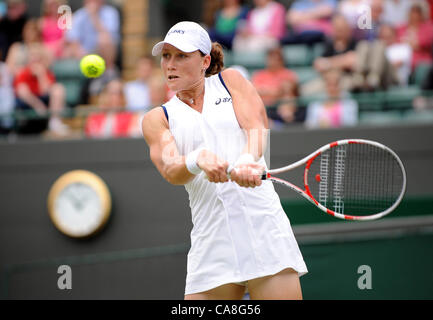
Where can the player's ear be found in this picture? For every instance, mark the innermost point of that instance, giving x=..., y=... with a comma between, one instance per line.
x=206, y=61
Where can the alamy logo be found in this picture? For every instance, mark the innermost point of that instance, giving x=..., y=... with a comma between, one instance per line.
x=364, y=20
x=65, y=20
x=177, y=31
x=223, y=100
x=364, y=281
x=64, y=282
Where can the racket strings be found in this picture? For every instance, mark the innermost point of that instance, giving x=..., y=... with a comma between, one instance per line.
x=356, y=179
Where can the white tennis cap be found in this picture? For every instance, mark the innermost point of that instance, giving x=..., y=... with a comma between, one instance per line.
x=187, y=36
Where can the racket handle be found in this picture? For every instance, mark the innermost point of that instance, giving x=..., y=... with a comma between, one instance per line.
x=229, y=169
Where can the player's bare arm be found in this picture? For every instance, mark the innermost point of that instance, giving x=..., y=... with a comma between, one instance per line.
x=251, y=115
x=163, y=150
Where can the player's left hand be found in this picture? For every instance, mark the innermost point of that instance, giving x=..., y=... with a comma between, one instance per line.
x=247, y=174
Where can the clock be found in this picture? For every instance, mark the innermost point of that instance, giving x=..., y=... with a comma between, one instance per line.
x=79, y=203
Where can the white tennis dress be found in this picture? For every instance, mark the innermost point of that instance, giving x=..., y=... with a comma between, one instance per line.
x=238, y=233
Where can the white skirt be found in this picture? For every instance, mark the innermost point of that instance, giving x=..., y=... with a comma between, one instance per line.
x=239, y=234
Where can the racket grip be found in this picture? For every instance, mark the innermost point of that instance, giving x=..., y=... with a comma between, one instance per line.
x=229, y=169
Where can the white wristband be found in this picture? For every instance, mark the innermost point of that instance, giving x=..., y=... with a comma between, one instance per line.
x=191, y=161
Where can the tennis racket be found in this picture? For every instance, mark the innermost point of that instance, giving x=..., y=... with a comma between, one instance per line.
x=350, y=179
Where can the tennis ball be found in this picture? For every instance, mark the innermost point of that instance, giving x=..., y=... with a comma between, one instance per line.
x=92, y=66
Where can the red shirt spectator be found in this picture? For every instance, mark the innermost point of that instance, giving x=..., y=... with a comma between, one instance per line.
x=107, y=125
x=111, y=121
x=269, y=82
x=27, y=77
x=418, y=33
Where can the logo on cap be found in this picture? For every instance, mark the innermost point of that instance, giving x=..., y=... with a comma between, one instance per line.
x=177, y=31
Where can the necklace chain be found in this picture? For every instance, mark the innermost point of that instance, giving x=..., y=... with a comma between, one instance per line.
x=191, y=100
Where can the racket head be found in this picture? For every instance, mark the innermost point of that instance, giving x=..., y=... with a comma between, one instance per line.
x=352, y=179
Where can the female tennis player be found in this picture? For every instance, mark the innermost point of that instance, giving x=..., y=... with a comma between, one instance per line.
x=241, y=238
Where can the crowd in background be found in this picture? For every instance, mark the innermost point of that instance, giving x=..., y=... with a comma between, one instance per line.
x=30, y=46
x=368, y=45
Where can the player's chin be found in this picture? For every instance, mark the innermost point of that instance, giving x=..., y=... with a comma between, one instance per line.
x=174, y=85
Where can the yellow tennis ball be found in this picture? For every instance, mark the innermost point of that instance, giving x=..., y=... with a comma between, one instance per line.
x=92, y=66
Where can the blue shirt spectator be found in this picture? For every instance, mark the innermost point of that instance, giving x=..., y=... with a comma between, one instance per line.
x=309, y=21
x=89, y=21
x=312, y=15
x=7, y=101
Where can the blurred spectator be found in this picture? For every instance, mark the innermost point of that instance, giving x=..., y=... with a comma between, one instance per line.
x=52, y=36
x=11, y=26
x=263, y=29
x=226, y=22
x=3, y=8
x=339, y=53
x=398, y=54
x=269, y=81
x=95, y=29
x=396, y=12
x=364, y=64
x=335, y=110
x=111, y=121
x=36, y=89
x=158, y=90
x=18, y=52
x=372, y=70
x=310, y=20
x=7, y=99
x=112, y=96
x=418, y=33
x=286, y=110
x=137, y=92
x=430, y=4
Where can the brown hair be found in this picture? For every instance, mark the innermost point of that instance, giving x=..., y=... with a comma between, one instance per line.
x=217, y=60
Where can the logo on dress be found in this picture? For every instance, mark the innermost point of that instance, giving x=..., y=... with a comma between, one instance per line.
x=223, y=100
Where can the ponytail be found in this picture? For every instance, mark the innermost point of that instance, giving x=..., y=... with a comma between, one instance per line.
x=217, y=60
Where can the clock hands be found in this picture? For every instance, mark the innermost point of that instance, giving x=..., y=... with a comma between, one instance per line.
x=78, y=198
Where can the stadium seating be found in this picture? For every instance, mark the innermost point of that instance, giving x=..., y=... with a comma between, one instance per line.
x=425, y=116
x=380, y=117
x=401, y=97
x=420, y=73
x=250, y=60
x=68, y=73
x=297, y=55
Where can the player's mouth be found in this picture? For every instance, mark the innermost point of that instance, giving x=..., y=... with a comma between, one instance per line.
x=172, y=77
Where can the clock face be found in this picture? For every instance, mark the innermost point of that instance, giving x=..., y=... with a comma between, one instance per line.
x=79, y=203
x=79, y=209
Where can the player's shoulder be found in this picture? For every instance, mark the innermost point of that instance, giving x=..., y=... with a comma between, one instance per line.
x=230, y=74
x=154, y=118
x=232, y=78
